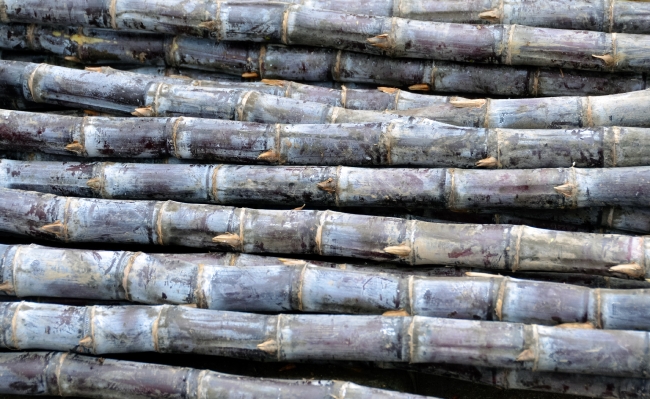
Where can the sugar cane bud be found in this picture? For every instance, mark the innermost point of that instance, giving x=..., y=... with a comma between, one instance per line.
x=490, y=162
x=7, y=287
x=95, y=184
x=402, y=250
x=233, y=240
x=269, y=156
x=567, y=189
x=634, y=270
x=388, y=90
x=274, y=82
x=75, y=146
x=250, y=75
x=493, y=15
x=86, y=342
x=420, y=87
x=607, y=59
x=588, y=326
x=467, y=103
x=328, y=185
x=270, y=346
x=396, y=313
x=381, y=41
x=147, y=111
x=57, y=228
x=526, y=356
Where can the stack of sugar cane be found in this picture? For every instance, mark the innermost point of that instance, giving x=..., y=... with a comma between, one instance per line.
x=376, y=216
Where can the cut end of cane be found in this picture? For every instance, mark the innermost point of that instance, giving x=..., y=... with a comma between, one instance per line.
x=269, y=156
x=396, y=313
x=269, y=346
x=633, y=270
x=250, y=75
x=492, y=15
x=381, y=41
x=328, y=185
x=86, y=342
x=228, y=238
x=273, y=82
x=389, y=90
x=525, y=356
x=7, y=287
x=143, y=112
x=583, y=326
x=402, y=250
x=74, y=147
x=93, y=69
x=606, y=58
x=490, y=162
x=95, y=183
x=292, y=262
x=73, y=59
x=467, y=103
x=420, y=87
x=57, y=228
x=568, y=189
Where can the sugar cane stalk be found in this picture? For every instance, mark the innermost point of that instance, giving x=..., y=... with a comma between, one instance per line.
x=68, y=374
x=325, y=233
x=395, y=143
x=70, y=87
x=295, y=24
x=610, y=16
x=151, y=279
x=416, y=339
x=311, y=63
x=341, y=186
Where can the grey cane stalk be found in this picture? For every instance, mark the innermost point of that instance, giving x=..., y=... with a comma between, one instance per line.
x=399, y=37
x=324, y=233
x=32, y=271
x=69, y=374
x=268, y=61
x=401, y=339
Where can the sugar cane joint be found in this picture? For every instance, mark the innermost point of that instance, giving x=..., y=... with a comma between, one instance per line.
x=324, y=199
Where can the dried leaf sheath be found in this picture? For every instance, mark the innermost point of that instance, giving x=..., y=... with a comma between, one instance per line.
x=68, y=374
x=417, y=339
x=312, y=63
x=399, y=37
x=155, y=279
x=316, y=232
x=341, y=186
